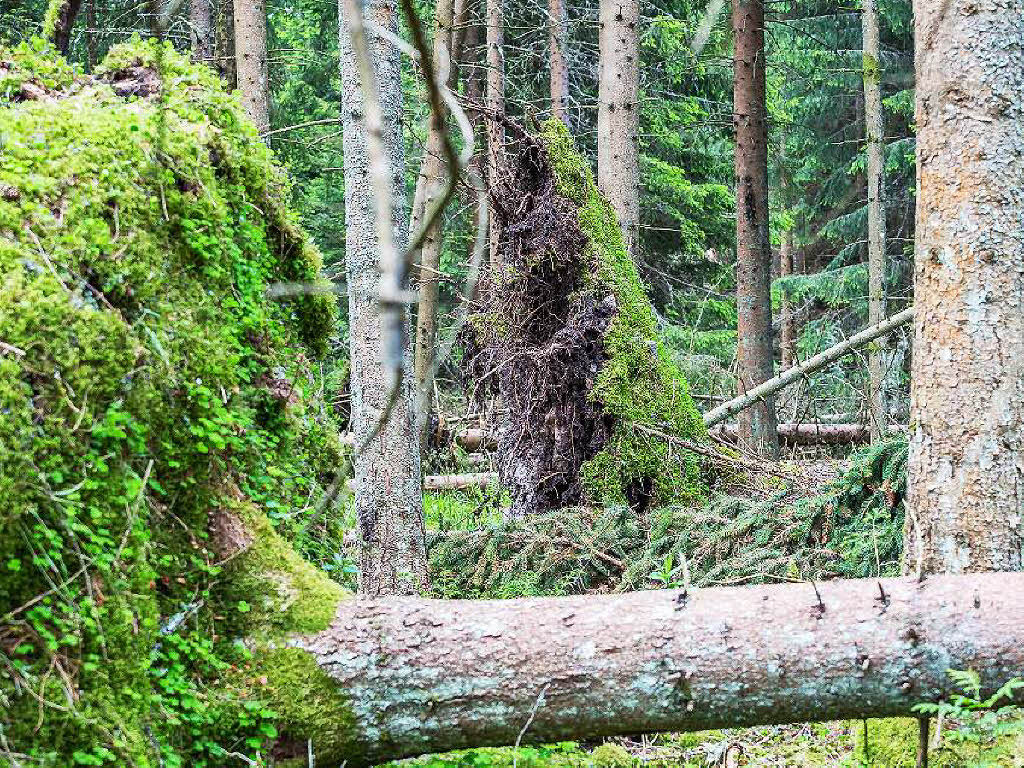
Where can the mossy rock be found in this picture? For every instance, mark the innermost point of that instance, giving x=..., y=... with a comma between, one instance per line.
x=145, y=379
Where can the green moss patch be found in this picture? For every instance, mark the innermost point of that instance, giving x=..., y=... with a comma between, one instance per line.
x=143, y=368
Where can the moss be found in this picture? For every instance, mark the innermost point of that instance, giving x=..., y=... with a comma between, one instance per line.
x=892, y=742
x=309, y=705
x=142, y=366
x=279, y=590
x=638, y=386
x=611, y=756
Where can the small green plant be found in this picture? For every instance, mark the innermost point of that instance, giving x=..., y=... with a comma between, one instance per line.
x=984, y=723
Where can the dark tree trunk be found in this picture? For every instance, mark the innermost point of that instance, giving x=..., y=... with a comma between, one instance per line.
x=753, y=253
x=64, y=24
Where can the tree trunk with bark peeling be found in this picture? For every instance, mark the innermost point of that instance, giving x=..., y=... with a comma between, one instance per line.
x=753, y=253
x=558, y=43
x=387, y=470
x=373, y=680
x=967, y=392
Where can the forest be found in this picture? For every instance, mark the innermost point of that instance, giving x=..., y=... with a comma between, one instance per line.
x=454, y=383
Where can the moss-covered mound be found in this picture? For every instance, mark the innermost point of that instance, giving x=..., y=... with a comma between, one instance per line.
x=144, y=376
x=593, y=409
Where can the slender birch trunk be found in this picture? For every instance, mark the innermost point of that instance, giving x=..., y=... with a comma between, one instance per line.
x=757, y=425
x=788, y=316
x=966, y=477
x=874, y=121
x=558, y=44
x=618, y=114
x=495, y=104
x=250, y=20
x=432, y=174
x=388, y=499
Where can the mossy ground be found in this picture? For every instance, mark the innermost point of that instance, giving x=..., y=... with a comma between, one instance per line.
x=143, y=371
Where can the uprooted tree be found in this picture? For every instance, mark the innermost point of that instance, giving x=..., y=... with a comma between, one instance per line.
x=161, y=439
x=567, y=339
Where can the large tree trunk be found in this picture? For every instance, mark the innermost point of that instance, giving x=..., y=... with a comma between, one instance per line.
x=432, y=176
x=387, y=469
x=250, y=21
x=753, y=252
x=874, y=134
x=495, y=38
x=200, y=17
x=558, y=43
x=391, y=678
x=967, y=396
x=618, y=114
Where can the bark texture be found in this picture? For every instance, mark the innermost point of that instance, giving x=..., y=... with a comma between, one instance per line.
x=250, y=20
x=966, y=478
x=432, y=176
x=753, y=251
x=874, y=134
x=200, y=19
x=387, y=471
x=495, y=37
x=224, y=42
x=618, y=114
x=817, y=434
x=424, y=676
x=558, y=43
x=787, y=322
x=63, y=23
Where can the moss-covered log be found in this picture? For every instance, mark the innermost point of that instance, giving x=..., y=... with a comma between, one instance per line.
x=567, y=339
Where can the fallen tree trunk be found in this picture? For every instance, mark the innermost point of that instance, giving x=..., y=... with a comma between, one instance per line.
x=815, y=434
x=807, y=367
x=452, y=482
x=473, y=439
x=412, y=676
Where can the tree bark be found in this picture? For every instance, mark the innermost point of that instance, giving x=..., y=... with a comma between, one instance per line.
x=753, y=252
x=618, y=114
x=61, y=24
x=967, y=395
x=816, y=434
x=874, y=122
x=558, y=44
x=224, y=42
x=250, y=22
x=387, y=470
x=418, y=676
x=787, y=321
x=432, y=173
x=200, y=17
x=495, y=38
x=810, y=365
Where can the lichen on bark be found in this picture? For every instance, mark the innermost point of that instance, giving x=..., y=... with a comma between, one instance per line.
x=568, y=340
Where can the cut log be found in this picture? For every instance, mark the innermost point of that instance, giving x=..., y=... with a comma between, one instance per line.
x=452, y=482
x=807, y=367
x=459, y=482
x=418, y=676
x=468, y=439
x=815, y=434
